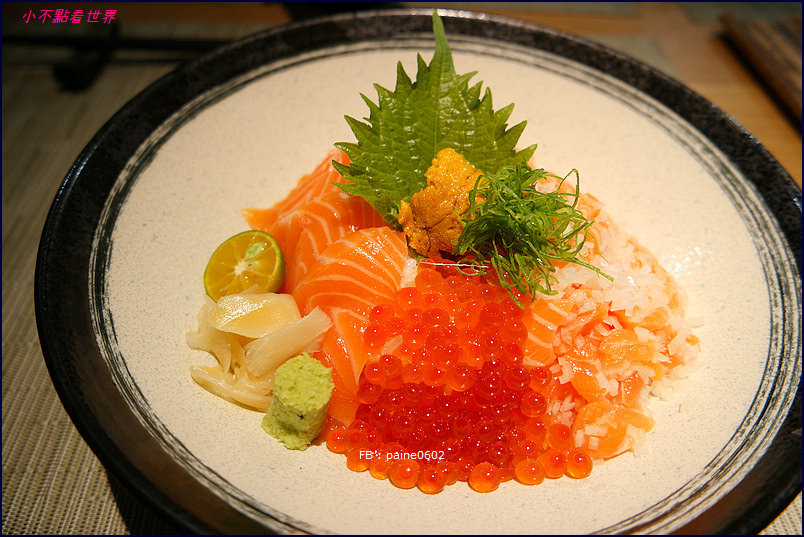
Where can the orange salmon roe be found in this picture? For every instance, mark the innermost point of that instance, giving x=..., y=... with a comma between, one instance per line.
x=356, y=461
x=454, y=402
x=579, y=464
x=431, y=480
x=405, y=474
x=529, y=472
x=485, y=477
x=336, y=440
x=554, y=463
x=379, y=468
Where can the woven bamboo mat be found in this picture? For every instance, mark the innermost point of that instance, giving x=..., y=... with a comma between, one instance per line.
x=52, y=482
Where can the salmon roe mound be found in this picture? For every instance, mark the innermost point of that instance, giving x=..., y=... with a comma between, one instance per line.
x=453, y=401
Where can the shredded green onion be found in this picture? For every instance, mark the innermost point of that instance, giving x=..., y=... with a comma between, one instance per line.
x=520, y=232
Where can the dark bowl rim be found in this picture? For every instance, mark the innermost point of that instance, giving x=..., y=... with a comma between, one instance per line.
x=104, y=156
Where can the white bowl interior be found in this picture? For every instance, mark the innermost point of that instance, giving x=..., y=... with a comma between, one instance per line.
x=249, y=148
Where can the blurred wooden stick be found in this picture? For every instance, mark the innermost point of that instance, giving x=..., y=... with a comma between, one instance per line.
x=773, y=49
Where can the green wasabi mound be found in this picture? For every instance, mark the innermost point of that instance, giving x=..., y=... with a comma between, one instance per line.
x=302, y=388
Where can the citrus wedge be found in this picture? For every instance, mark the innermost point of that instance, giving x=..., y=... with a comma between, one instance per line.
x=251, y=259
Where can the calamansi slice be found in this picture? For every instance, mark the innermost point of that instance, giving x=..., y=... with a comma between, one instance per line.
x=249, y=259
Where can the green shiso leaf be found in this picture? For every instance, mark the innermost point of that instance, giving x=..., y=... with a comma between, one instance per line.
x=407, y=127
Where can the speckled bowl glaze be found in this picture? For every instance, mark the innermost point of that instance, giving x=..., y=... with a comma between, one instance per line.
x=118, y=280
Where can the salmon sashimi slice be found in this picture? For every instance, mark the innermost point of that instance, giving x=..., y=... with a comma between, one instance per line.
x=630, y=390
x=304, y=235
x=620, y=349
x=542, y=320
x=334, y=355
x=587, y=379
x=609, y=429
x=310, y=187
x=355, y=273
x=349, y=278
